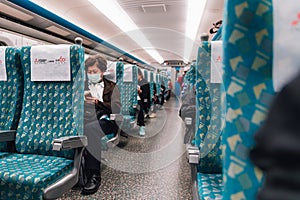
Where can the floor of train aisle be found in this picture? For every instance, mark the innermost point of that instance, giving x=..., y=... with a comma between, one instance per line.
x=149, y=167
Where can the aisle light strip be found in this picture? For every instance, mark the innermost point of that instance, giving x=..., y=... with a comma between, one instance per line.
x=195, y=12
x=114, y=12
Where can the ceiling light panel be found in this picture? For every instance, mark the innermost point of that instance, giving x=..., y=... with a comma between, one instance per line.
x=58, y=30
x=154, y=8
x=114, y=12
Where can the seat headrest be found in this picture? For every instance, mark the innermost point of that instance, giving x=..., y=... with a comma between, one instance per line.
x=50, y=63
x=3, y=75
x=111, y=72
x=128, y=73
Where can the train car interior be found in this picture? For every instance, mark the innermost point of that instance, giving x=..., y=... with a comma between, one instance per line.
x=160, y=99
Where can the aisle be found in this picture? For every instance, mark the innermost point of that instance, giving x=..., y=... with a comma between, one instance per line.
x=152, y=167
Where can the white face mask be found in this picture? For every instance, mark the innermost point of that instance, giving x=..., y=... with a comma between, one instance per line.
x=94, y=78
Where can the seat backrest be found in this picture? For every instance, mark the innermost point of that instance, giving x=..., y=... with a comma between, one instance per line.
x=114, y=72
x=51, y=109
x=248, y=37
x=11, y=90
x=146, y=74
x=165, y=81
x=120, y=71
x=151, y=84
x=210, y=114
x=190, y=77
x=157, y=83
x=129, y=90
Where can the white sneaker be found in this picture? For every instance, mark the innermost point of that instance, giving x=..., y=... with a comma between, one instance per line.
x=142, y=131
x=153, y=115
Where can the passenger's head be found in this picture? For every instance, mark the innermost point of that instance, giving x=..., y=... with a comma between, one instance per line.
x=95, y=67
x=140, y=74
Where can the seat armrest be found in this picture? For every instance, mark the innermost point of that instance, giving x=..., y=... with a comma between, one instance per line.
x=7, y=135
x=69, y=142
x=116, y=117
x=193, y=154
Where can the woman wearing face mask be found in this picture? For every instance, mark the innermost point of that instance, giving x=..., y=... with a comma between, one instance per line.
x=104, y=96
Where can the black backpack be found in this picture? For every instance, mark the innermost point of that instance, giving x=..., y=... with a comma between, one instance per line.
x=188, y=110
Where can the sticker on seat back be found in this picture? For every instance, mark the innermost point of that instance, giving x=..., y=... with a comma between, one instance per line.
x=50, y=63
x=286, y=62
x=3, y=75
x=216, y=62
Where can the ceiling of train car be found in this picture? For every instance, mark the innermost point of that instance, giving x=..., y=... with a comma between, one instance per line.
x=162, y=22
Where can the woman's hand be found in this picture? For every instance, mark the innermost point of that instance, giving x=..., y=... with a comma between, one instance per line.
x=91, y=100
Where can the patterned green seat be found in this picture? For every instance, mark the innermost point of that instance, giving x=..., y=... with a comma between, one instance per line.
x=115, y=72
x=27, y=173
x=146, y=74
x=248, y=36
x=11, y=94
x=190, y=77
x=128, y=92
x=118, y=74
x=209, y=126
x=151, y=84
x=157, y=83
x=210, y=113
x=50, y=110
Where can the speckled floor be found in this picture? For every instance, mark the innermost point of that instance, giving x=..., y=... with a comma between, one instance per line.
x=149, y=167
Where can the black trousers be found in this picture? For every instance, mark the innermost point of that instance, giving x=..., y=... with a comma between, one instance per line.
x=94, y=131
x=162, y=99
x=140, y=119
x=168, y=95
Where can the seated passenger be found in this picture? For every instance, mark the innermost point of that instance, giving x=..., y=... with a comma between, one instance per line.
x=277, y=150
x=102, y=98
x=143, y=100
x=162, y=95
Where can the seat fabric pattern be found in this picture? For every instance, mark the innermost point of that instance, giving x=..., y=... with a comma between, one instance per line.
x=129, y=98
x=209, y=103
x=119, y=72
x=248, y=36
x=151, y=85
x=25, y=176
x=51, y=109
x=165, y=81
x=158, y=83
x=146, y=74
x=190, y=77
x=11, y=93
x=210, y=186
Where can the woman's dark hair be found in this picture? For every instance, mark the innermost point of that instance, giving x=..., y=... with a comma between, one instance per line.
x=101, y=62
